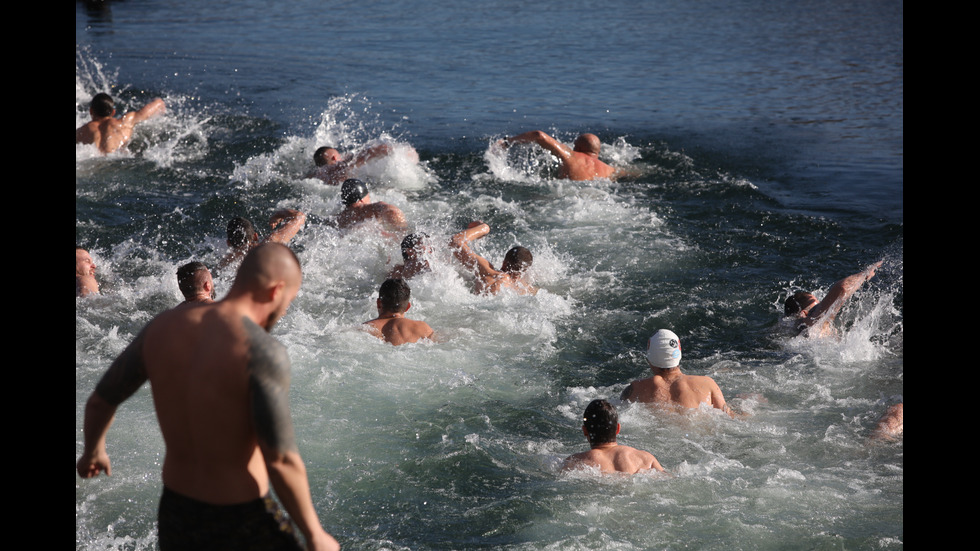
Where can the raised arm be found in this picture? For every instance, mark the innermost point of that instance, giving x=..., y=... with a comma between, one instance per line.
x=839, y=292
x=460, y=243
x=124, y=377
x=150, y=110
x=292, y=221
x=268, y=370
x=370, y=153
x=559, y=149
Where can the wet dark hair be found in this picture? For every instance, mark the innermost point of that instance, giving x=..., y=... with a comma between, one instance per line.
x=102, y=105
x=187, y=278
x=518, y=259
x=413, y=241
x=797, y=302
x=601, y=420
x=319, y=156
x=240, y=232
x=395, y=295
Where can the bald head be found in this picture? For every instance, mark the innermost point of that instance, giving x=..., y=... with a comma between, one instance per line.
x=267, y=264
x=588, y=143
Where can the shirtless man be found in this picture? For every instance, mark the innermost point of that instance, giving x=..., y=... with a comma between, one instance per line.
x=391, y=325
x=285, y=224
x=578, y=163
x=668, y=386
x=220, y=385
x=512, y=273
x=359, y=208
x=85, y=282
x=814, y=318
x=333, y=167
x=414, y=248
x=600, y=426
x=109, y=133
x=195, y=283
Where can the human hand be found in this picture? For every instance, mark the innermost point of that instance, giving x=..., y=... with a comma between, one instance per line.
x=89, y=466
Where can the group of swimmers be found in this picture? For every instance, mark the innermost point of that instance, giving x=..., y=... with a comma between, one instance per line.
x=208, y=361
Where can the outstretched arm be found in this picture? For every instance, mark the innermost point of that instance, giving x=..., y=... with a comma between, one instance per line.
x=124, y=377
x=839, y=292
x=559, y=149
x=292, y=221
x=370, y=153
x=268, y=370
x=150, y=110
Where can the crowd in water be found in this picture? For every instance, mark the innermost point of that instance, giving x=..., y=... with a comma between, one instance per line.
x=211, y=491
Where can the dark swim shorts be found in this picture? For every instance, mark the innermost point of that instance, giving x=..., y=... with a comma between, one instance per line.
x=189, y=524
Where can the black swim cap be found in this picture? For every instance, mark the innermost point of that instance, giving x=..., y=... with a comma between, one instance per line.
x=353, y=191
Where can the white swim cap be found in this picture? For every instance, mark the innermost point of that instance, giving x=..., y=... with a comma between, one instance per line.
x=664, y=349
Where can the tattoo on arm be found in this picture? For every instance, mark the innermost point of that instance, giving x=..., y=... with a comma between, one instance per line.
x=268, y=371
x=126, y=374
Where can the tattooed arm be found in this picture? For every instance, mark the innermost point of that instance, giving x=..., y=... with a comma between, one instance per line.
x=268, y=369
x=123, y=378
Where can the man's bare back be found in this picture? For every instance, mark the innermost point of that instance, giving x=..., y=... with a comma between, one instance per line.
x=391, y=325
x=399, y=330
x=688, y=391
x=614, y=458
x=109, y=133
x=600, y=425
x=669, y=386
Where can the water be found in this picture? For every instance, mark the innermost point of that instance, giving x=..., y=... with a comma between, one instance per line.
x=769, y=144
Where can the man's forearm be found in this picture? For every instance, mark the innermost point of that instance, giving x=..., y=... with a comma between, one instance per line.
x=287, y=473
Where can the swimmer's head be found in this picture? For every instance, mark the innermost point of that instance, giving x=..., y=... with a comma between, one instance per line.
x=241, y=232
x=192, y=279
x=601, y=421
x=102, y=105
x=394, y=296
x=352, y=191
x=588, y=143
x=799, y=304
x=326, y=156
x=517, y=260
x=84, y=265
x=664, y=349
x=414, y=243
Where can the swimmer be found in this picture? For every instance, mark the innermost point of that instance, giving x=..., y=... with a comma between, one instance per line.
x=333, y=167
x=85, y=282
x=512, y=273
x=414, y=248
x=813, y=318
x=195, y=283
x=242, y=236
x=220, y=386
x=391, y=325
x=578, y=163
x=668, y=386
x=109, y=133
x=359, y=208
x=891, y=426
x=600, y=426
